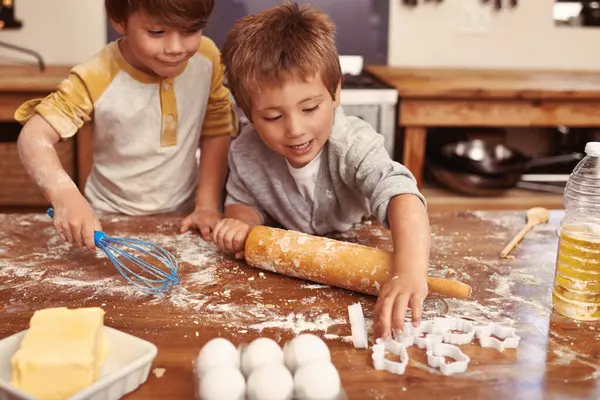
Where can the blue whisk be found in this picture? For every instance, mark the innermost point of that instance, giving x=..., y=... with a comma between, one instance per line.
x=155, y=279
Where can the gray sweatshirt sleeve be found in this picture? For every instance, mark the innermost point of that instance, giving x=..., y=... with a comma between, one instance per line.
x=369, y=168
x=237, y=191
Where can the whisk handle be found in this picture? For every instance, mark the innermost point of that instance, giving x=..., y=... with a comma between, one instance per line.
x=98, y=235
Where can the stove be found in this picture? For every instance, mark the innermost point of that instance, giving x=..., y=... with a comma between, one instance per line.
x=368, y=98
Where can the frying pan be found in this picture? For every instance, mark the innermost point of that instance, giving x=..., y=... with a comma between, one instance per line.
x=470, y=184
x=481, y=186
x=481, y=168
x=486, y=158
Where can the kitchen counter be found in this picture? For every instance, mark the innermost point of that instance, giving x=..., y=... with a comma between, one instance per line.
x=219, y=296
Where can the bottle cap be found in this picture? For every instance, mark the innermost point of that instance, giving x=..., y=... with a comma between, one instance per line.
x=592, y=149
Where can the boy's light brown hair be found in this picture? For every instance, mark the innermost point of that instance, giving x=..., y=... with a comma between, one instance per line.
x=271, y=47
x=184, y=15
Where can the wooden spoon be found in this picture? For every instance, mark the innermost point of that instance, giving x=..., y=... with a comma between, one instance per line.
x=535, y=216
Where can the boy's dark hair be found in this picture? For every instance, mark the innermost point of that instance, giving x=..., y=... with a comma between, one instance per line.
x=185, y=15
x=282, y=43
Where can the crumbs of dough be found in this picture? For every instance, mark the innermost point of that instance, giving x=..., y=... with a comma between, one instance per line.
x=159, y=372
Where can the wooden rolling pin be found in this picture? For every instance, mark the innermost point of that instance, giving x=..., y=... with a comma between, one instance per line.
x=347, y=265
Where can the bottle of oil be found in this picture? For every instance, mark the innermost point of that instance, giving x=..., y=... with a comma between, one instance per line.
x=576, y=292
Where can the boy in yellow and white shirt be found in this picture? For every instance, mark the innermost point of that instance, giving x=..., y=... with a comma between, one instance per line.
x=153, y=97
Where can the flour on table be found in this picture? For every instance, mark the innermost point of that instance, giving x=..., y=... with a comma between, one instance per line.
x=206, y=291
x=314, y=286
x=298, y=323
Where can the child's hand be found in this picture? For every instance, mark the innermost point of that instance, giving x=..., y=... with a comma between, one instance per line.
x=230, y=234
x=201, y=219
x=402, y=290
x=76, y=221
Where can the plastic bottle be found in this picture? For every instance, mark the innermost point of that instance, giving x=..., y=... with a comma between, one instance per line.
x=576, y=292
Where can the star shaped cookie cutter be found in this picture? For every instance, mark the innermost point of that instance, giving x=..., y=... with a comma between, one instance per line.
x=382, y=363
x=485, y=334
x=435, y=358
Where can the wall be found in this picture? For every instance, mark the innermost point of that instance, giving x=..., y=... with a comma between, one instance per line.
x=525, y=37
x=70, y=31
x=63, y=31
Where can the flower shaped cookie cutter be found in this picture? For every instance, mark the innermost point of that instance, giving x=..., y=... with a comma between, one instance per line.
x=438, y=330
x=439, y=336
x=487, y=337
x=455, y=325
x=382, y=363
x=436, y=354
x=416, y=335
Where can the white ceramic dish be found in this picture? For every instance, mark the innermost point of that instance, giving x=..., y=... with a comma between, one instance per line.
x=126, y=367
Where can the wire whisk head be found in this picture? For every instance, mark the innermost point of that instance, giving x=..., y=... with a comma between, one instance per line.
x=155, y=271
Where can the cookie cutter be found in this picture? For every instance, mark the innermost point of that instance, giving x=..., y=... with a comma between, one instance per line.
x=436, y=354
x=457, y=324
x=438, y=330
x=485, y=334
x=394, y=347
x=413, y=335
x=358, y=326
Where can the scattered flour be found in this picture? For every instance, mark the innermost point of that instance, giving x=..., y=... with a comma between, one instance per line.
x=206, y=292
x=503, y=293
x=314, y=286
x=298, y=323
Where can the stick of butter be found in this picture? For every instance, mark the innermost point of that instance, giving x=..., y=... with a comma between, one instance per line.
x=61, y=353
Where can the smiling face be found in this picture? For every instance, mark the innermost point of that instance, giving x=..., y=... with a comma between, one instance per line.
x=154, y=48
x=295, y=118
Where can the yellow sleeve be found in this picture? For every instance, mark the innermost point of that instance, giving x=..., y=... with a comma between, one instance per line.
x=220, y=117
x=72, y=104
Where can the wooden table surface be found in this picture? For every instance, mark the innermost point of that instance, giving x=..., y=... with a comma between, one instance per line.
x=557, y=357
x=470, y=83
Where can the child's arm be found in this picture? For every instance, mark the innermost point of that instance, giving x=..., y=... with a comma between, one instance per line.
x=230, y=233
x=74, y=219
x=211, y=181
x=46, y=121
x=409, y=225
x=397, y=203
x=242, y=211
x=220, y=123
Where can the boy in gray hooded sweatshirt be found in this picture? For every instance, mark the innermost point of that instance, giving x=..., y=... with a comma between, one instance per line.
x=306, y=165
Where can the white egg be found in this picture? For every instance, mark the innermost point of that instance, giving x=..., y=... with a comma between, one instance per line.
x=260, y=352
x=317, y=380
x=222, y=383
x=270, y=382
x=215, y=353
x=304, y=348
